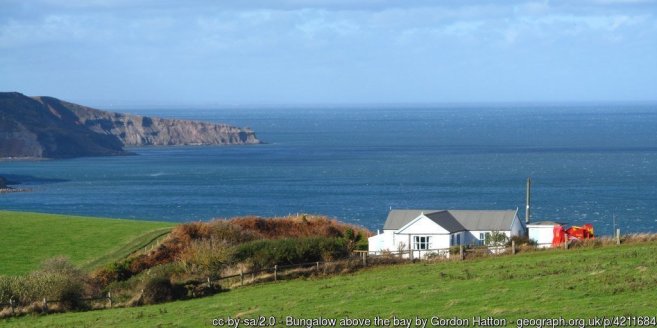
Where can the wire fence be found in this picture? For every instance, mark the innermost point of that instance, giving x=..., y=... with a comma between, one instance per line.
x=357, y=259
x=273, y=273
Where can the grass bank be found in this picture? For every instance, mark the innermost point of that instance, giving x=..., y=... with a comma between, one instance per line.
x=576, y=283
x=26, y=239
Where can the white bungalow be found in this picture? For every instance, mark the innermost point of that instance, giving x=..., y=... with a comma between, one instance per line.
x=434, y=231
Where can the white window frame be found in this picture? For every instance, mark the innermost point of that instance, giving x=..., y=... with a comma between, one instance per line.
x=484, y=238
x=421, y=243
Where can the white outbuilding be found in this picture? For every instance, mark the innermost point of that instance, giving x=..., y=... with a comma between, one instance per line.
x=542, y=232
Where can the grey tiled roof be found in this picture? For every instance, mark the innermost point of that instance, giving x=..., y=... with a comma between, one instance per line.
x=455, y=220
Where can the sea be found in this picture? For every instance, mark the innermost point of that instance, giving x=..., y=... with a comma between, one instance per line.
x=589, y=163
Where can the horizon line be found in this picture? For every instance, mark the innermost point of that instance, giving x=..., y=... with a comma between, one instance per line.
x=300, y=105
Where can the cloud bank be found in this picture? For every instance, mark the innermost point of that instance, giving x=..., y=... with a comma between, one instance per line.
x=329, y=51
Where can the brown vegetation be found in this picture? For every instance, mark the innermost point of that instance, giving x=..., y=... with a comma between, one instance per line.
x=204, y=244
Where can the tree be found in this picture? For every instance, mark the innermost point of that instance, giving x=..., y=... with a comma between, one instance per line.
x=496, y=238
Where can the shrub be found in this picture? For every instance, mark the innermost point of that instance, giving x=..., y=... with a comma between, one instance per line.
x=117, y=271
x=298, y=226
x=201, y=245
x=267, y=253
x=455, y=250
x=207, y=256
x=159, y=289
x=8, y=286
x=57, y=279
x=229, y=233
x=588, y=243
x=521, y=240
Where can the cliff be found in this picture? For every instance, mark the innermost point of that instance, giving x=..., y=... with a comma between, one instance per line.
x=52, y=128
x=134, y=130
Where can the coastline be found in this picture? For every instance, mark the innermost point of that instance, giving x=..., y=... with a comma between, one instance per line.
x=12, y=190
x=17, y=159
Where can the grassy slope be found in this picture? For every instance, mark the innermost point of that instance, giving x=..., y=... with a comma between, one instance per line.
x=26, y=239
x=576, y=283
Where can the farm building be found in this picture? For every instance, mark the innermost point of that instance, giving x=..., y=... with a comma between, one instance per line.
x=542, y=232
x=434, y=231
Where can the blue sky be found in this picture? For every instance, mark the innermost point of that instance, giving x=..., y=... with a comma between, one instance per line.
x=205, y=53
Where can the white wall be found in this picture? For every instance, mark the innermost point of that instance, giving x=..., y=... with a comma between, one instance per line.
x=542, y=234
x=517, y=228
x=422, y=225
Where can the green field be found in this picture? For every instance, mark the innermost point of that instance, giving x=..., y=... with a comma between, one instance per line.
x=26, y=239
x=577, y=283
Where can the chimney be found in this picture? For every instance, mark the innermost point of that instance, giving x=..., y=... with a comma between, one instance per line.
x=528, y=200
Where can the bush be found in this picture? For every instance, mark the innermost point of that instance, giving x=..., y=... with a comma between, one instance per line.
x=206, y=256
x=117, y=271
x=298, y=226
x=521, y=240
x=159, y=289
x=57, y=279
x=266, y=253
x=455, y=250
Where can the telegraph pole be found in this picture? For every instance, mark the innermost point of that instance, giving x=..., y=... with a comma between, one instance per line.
x=528, y=199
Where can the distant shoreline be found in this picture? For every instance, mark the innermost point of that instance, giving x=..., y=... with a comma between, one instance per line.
x=16, y=159
x=11, y=190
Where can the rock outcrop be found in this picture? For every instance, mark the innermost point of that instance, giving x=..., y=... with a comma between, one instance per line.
x=52, y=128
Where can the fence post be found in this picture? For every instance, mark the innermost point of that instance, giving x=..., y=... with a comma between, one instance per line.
x=565, y=244
x=12, y=305
x=513, y=247
x=317, y=267
x=209, y=283
x=617, y=236
x=364, y=259
x=275, y=272
x=410, y=249
x=45, y=306
x=109, y=299
x=461, y=252
x=241, y=278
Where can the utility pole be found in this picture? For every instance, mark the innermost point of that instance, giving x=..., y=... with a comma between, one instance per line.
x=613, y=219
x=528, y=200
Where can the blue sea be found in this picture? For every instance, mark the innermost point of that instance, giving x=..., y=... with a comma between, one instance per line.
x=589, y=163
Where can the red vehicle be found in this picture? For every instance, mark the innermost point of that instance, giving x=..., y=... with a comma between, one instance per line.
x=572, y=233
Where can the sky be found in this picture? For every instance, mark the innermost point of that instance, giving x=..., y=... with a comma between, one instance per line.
x=219, y=52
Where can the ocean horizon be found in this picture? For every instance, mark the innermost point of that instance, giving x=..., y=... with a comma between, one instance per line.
x=589, y=163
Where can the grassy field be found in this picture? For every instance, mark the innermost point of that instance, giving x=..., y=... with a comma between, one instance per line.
x=26, y=239
x=578, y=283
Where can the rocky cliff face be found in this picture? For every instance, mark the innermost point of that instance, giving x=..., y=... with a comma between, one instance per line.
x=134, y=130
x=30, y=129
x=49, y=127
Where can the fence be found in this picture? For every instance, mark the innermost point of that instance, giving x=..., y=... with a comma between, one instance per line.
x=267, y=274
x=15, y=305
x=460, y=251
x=463, y=251
x=364, y=258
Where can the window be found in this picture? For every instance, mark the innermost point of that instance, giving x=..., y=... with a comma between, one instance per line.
x=484, y=238
x=421, y=242
x=458, y=239
x=452, y=240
